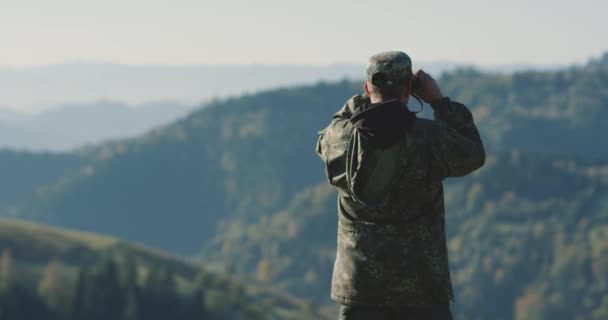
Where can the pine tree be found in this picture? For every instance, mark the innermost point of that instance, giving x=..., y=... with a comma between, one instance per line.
x=19, y=303
x=98, y=293
x=193, y=306
x=129, y=285
x=132, y=306
x=79, y=303
x=107, y=291
x=160, y=294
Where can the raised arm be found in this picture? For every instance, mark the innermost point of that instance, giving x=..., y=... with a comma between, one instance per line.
x=459, y=149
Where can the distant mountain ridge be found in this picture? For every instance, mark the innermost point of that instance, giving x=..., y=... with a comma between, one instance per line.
x=40, y=106
x=70, y=126
x=38, y=88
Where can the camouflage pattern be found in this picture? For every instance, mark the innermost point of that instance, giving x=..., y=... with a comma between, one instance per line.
x=393, y=67
x=391, y=232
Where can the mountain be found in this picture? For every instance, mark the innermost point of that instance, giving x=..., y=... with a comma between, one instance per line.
x=54, y=265
x=40, y=88
x=67, y=127
x=241, y=157
x=543, y=112
x=527, y=237
x=218, y=163
x=238, y=181
x=37, y=88
x=61, y=115
x=23, y=172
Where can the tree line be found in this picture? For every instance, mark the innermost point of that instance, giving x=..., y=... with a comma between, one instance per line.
x=117, y=289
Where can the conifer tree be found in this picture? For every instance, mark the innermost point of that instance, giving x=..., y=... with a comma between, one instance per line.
x=160, y=294
x=98, y=293
x=130, y=287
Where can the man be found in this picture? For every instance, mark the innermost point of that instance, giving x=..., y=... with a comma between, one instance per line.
x=388, y=166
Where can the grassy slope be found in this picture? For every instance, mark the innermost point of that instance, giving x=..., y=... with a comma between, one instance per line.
x=32, y=245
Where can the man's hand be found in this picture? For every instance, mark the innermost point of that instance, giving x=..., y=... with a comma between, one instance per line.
x=427, y=88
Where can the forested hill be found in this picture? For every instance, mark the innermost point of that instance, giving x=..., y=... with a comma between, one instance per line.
x=57, y=274
x=527, y=237
x=235, y=158
x=242, y=157
x=561, y=113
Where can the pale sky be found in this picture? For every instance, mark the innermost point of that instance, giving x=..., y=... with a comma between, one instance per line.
x=185, y=32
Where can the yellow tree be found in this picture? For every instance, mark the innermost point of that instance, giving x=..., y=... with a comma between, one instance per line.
x=54, y=287
x=264, y=271
x=6, y=270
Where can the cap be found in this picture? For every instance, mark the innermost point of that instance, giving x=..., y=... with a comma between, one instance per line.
x=389, y=69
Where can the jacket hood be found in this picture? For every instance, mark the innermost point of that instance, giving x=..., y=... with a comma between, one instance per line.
x=382, y=124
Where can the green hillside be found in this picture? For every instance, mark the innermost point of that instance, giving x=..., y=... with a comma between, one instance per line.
x=242, y=157
x=51, y=264
x=21, y=172
x=219, y=163
x=528, y=239
x=562, y=113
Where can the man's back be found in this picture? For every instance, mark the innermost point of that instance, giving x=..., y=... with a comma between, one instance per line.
x=391, y=236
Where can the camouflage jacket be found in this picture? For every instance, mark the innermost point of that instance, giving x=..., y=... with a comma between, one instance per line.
x=391, y=229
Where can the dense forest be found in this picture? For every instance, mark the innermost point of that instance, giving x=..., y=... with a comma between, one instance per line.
x=527, y=236
x=237, y=183
x=105, y=291
x=49, y=273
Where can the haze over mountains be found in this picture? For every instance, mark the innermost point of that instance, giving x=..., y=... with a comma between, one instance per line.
x=42, y=87
x=60, y=107
x=39, y=88
x=70, y=126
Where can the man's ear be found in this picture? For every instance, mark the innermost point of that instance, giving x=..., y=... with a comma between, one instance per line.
x=366, y=88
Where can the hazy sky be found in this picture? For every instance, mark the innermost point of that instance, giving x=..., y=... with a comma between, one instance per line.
x=306, y=31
